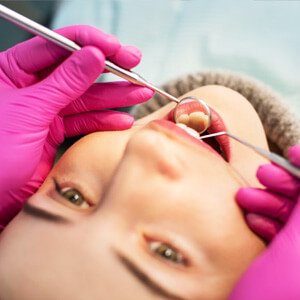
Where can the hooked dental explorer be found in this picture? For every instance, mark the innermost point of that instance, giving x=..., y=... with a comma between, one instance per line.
x=40, y=30
x=275, y=158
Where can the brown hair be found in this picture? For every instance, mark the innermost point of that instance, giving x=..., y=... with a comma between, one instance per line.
x=282, y=127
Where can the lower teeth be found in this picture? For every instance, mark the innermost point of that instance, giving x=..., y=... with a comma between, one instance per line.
x=195, y=134
x=189, y=130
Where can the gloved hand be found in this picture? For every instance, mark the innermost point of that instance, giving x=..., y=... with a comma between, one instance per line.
x=47, y=94
x=275, y=274
x=267, y=210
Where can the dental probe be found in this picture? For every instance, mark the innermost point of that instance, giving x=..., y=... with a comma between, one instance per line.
x=40, y=30
x=275, y=158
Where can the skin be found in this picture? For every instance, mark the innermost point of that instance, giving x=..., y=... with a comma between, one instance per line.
x=143, y=185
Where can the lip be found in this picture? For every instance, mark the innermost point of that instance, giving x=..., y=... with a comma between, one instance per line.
x=217, y=125
x=170, y=128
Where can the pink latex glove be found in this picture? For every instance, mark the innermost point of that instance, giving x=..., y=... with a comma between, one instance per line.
x=267, y=210
x=47, y=94
x=275, y=274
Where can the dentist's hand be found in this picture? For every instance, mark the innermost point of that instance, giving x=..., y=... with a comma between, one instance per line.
x=275, y=274
x=47, y=94
x=267, y=210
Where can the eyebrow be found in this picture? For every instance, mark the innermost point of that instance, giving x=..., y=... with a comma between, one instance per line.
x=145, y=279
x=43, y=214
x=129, y=265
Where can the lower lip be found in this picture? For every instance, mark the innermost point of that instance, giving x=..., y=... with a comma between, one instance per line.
x=172, y=128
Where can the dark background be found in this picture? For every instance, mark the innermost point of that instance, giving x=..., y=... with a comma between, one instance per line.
x=39, y=11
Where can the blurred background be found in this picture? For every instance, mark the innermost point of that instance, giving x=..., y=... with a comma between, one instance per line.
x=259, y=38
x=39, y=11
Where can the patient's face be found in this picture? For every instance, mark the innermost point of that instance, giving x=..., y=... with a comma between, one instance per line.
x=145, y=213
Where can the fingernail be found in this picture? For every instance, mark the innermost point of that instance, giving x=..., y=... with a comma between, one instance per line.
x=126, y=121
x=264, y=170
x=146, y=92
x=134, y=52
x=253, y=218
x=244, y=194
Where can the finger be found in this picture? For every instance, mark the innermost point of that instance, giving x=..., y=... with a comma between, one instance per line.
x=127, y=57
x=294, y=155
x=278, y=180
x=67, y=82
x=96, y=121
x=265, y=203
x=108, y=95
x=265, y=227
x=37, y=54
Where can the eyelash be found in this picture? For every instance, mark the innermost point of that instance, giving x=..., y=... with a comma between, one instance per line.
x=162, y=249
x=78, y=198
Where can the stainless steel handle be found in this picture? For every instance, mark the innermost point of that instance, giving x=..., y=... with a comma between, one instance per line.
x=40, y=30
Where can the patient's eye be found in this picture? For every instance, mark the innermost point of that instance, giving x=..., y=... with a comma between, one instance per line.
x=166, y=252
x=71, y=194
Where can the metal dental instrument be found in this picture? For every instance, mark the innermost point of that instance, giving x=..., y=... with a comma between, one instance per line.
x=275, y=158
x=48, y=34
x=37, y=29
x=195, y=105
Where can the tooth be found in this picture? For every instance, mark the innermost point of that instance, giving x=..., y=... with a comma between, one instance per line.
x=189, y=130
x=181, y=125
x=198, y=120
x=184, y=119
x=192, y=132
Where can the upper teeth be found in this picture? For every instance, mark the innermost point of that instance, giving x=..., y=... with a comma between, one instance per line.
x=197, y=120
x=189, y=130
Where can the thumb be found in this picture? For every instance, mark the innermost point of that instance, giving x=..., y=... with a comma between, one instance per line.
x=68, y=81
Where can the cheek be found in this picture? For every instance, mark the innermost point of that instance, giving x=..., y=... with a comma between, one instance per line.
x=41, y=259
x=22, y=260
x=242, y=120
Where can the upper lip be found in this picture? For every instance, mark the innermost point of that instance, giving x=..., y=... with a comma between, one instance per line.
x=217, y=125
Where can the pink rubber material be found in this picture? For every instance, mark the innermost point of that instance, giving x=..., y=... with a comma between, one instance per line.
x=275, y=274
x=47, y=94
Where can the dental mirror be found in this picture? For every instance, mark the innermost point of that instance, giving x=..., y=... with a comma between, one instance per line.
x=194, y=113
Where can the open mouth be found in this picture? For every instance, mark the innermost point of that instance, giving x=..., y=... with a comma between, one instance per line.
x=219, y=144
x=215, y=144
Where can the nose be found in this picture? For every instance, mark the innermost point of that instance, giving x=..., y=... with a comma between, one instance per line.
x=156, y=153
